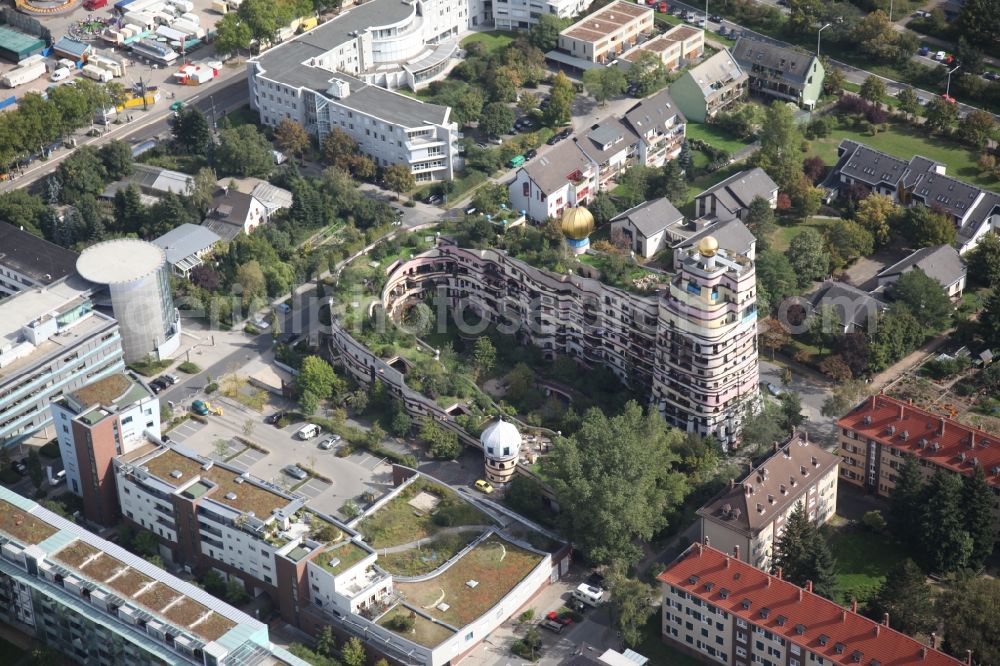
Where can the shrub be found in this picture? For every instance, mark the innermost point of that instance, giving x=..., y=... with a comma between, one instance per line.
x=212, y=387
x=874, y=521
x=189, y=368
x=526, y=616
x=401, y=623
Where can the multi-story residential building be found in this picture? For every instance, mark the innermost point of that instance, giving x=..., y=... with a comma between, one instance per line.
x=692, y=347
x=232, y=213
x=99, y=604
x=749, y=516
x=604, y=35
x=51, y=342
x=522, y=14
x=721, y=610
x=94, y=423
x=705, y=374
x=30, y=262
x=731, y=198
x=704, y=90
x=645, y=226
x=780, y=72
x=331, y=77
x=878, y=435
x=317, y=570
x=677, y=47
x=650, y=133
x=918, y=181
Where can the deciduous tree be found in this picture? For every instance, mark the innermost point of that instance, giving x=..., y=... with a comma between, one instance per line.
x=969, y=611
x=808, y=256
x=497, y=119
x=906, y=597
x=941, y=115
x=291, y=137
x=398, y=178
x=983, y=261
x=760, y=221
x=631, y=606
x=603, y=83
x=191, y=131
x=925, y=227
x=878, y=213
x=560, y=100
x=243, y=151
x=908, y=101
x=872, y=89
x=926, y=299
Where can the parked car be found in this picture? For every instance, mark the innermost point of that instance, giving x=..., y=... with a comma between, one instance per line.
x=722, y=30
x=940, y=55
x=295, y=472
x=158, y=384
x=525, y=123
x=554, y=627
x=272, y=419
x=57, y=478
x=199, y=408
x=60, y=74
x=554, y=139
x=308, y=431
x=328, y=443
x=923, y=50
x=484, y=486
x=632, y=91
x=20, y=467
x=774, y=389
x=435, y=199
x=556, y=617
x=531, y=154
x=715, y=18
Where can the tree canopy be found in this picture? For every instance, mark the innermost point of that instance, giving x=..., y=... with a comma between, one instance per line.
x=802, y=554
x=925, y=298
x=968, y=612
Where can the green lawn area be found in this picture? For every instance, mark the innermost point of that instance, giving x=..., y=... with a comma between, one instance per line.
x=904, y=141
x=243, y=116
x=863, y=560
x=658, y=652
x=783, y=235
x=714, y=136
x=856, y=88
x=494, y=41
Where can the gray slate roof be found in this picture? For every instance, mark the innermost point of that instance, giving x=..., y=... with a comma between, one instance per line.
x=653, y=112
x=853, y=305
x=941, y=262
x=792, y=63
x=612, y=133
x=720, y=68
x=183, y=241
x=551, y=170
x=651, y=217
x=35, y=257
x=737, y=191
x=732, y=234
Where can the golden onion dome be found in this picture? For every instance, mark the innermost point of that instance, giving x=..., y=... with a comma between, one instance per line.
x=708, y=246
x=577, y=223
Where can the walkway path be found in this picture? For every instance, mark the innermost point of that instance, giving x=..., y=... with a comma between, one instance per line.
x=420, y=542
x=899, y=368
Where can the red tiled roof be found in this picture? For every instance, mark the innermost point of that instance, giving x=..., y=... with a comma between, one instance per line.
x=815, y=615
x=916, y=431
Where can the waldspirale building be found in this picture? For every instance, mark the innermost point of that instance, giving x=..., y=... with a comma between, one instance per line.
x=692, y=345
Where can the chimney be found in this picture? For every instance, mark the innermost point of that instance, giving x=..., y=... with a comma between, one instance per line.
x=768, y=583
x=923, y=652
x=707, y=541
x=941, y=424
x=901, y=408
x=736, y=551
x=699, y=547
x=775, y=446
x=727, y=562
x=815, y=461
x=809, y=586
x=800, y=594
x=968, y=657
x=778, y=573
x=885, y=619
x=877, y=628
x=934, y=640
x=854, y=605
x=843, y=613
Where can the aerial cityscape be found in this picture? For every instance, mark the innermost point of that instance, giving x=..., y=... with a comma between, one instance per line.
x=499, y=332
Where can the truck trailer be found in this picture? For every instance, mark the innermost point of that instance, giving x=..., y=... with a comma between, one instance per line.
x=96, y=73
x=25, y=73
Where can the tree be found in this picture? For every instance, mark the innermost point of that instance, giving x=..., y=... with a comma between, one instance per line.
x=791, y=410
x=945, y=544
x=262, y=17
x=977, y=128
x=878, y=213
x=250, y=277
x=774, y=335
x=909, y=103
x=128, y=212
x=674, y=184
x=527, y=102
x=116, y=156
x=603, y=208
x=646, y=73
x=243, y=151
x=926, y=300
x=775, y=276
x=941, y=115
x=81, y=173
x=848, y=240
x=968, y=611
x=833, y=83
x=232, y=34
x=318, y=378
x=308, y=403
x=398, y=178
x=35, y=472
x=326, y=642
x=743, y=119
x=872, y=89
x=906, y=597
x=760, y=221
x=813, y=168
x=977, y=505
x=353, y=652
x=560, y=100
x=802, y=15
x=291, y=137
x=979, y=22
x=631, y=606
x=191, y=131
x=19, y=208
x=925, y=227
x=874, y=521
x=615, y=481
x=763, y=429
x=983, y=261
x=989, y=318
x=144, y=543
x=484, y=355
x=444, y=444
x=497, y=119
x=802, y=554
x=338, y=148
x=896, y=333
x=808, y=256
x=780, y=146
x=603, y=83
x=844, y=396
x=545, y=33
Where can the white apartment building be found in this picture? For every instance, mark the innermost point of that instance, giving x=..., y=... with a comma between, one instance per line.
x=749, y=517
x=522, y=14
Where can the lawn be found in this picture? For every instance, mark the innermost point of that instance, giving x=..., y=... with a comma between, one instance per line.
x=24, y=527
x=657, y=651
x=495, y=565
x=424, y=632
x=783, y=235
x=863, y=560
x=427, y=557
x=494, y=41
x=904, y=141
x=342, y=557
x=715, y=136
x=243, y=116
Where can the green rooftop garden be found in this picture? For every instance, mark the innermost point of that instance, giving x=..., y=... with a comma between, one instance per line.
x=341, y=557
x=415, y=627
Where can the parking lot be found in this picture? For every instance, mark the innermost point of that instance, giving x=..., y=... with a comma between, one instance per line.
x=351, y=477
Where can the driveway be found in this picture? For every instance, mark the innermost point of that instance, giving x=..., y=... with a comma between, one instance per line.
x=813, y=390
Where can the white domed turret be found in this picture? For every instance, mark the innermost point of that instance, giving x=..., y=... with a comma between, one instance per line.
x=501, y=446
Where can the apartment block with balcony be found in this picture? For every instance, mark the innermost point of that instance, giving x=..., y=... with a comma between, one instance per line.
x=676, y=48
x=878, y=435
x=94, y=423
x=779, y=72
x=646, y=340
x=722, y=610
x=749, y=516
x=705, y=378
x=96, y=603
x=522, y=14
x=660, y=126
x=562, y=178
x=52, y=341
x=604, y=35
x=704, y=90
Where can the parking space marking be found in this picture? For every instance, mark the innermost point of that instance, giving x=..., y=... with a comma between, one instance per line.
x=185, y=430
x=312, y=488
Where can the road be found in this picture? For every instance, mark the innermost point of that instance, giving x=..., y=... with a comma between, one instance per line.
x=213, y=100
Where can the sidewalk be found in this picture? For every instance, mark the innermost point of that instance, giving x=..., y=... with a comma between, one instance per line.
x=883, y=379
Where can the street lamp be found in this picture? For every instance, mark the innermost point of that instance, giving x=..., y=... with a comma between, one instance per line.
x=947, y=90
x=819, y=33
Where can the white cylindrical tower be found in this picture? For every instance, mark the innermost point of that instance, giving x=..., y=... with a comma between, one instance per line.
x=501, y=445
x=138, y=280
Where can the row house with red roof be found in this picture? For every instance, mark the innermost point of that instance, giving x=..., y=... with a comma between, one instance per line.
x=722, y=610
x=878, y=435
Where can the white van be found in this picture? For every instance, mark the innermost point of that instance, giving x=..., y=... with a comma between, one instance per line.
x=308, y=431
x=588, y=594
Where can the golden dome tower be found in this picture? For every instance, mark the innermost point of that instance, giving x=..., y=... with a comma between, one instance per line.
x=577, y=225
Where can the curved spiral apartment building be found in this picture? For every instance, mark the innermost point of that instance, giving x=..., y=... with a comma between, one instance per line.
x=693, y=346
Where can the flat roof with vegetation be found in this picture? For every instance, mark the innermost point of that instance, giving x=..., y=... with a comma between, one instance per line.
x=424, y=632
x=23, y=526
x=495, y=565
x=345, y=554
